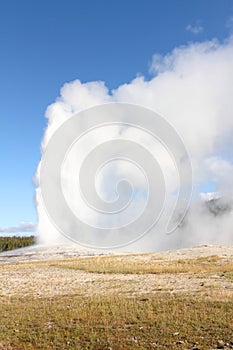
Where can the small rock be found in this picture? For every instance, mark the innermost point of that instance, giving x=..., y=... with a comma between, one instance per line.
x=220, y=344
x=49, y=324
x=144, y=299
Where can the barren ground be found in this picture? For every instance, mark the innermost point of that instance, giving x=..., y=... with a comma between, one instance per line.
x=69, y=276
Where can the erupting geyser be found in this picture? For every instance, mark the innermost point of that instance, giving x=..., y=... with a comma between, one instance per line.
x=192, y=89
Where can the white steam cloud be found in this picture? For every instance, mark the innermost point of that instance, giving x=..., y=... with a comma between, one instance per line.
x=192, y=88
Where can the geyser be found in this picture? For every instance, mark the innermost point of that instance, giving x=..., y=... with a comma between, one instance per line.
x=192, y=89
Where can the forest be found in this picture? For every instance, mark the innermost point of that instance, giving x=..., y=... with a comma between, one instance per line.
x=14, y=242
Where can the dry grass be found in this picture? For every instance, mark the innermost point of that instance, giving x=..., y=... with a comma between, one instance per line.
x=117, y=302
x=114, y=322
x=138, y=264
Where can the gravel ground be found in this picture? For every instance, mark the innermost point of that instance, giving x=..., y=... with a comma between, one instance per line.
x=37, y=271
x=54, y=252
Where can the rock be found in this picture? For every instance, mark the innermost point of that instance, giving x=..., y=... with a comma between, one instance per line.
x=220, y=344
x=176, y=333
x=144, y=299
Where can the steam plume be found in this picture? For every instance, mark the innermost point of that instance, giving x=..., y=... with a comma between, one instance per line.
x=192, y=88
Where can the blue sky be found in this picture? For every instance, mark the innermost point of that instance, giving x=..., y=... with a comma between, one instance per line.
x=47, y=43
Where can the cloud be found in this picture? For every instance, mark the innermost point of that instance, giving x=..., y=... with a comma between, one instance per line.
x=192, y=87
x=23, y=227
x=229, y=24
x=195, y=29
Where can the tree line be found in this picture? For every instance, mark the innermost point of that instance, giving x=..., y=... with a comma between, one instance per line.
x=14, y=242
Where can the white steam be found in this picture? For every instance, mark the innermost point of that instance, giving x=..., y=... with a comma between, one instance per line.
x=192, y=87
